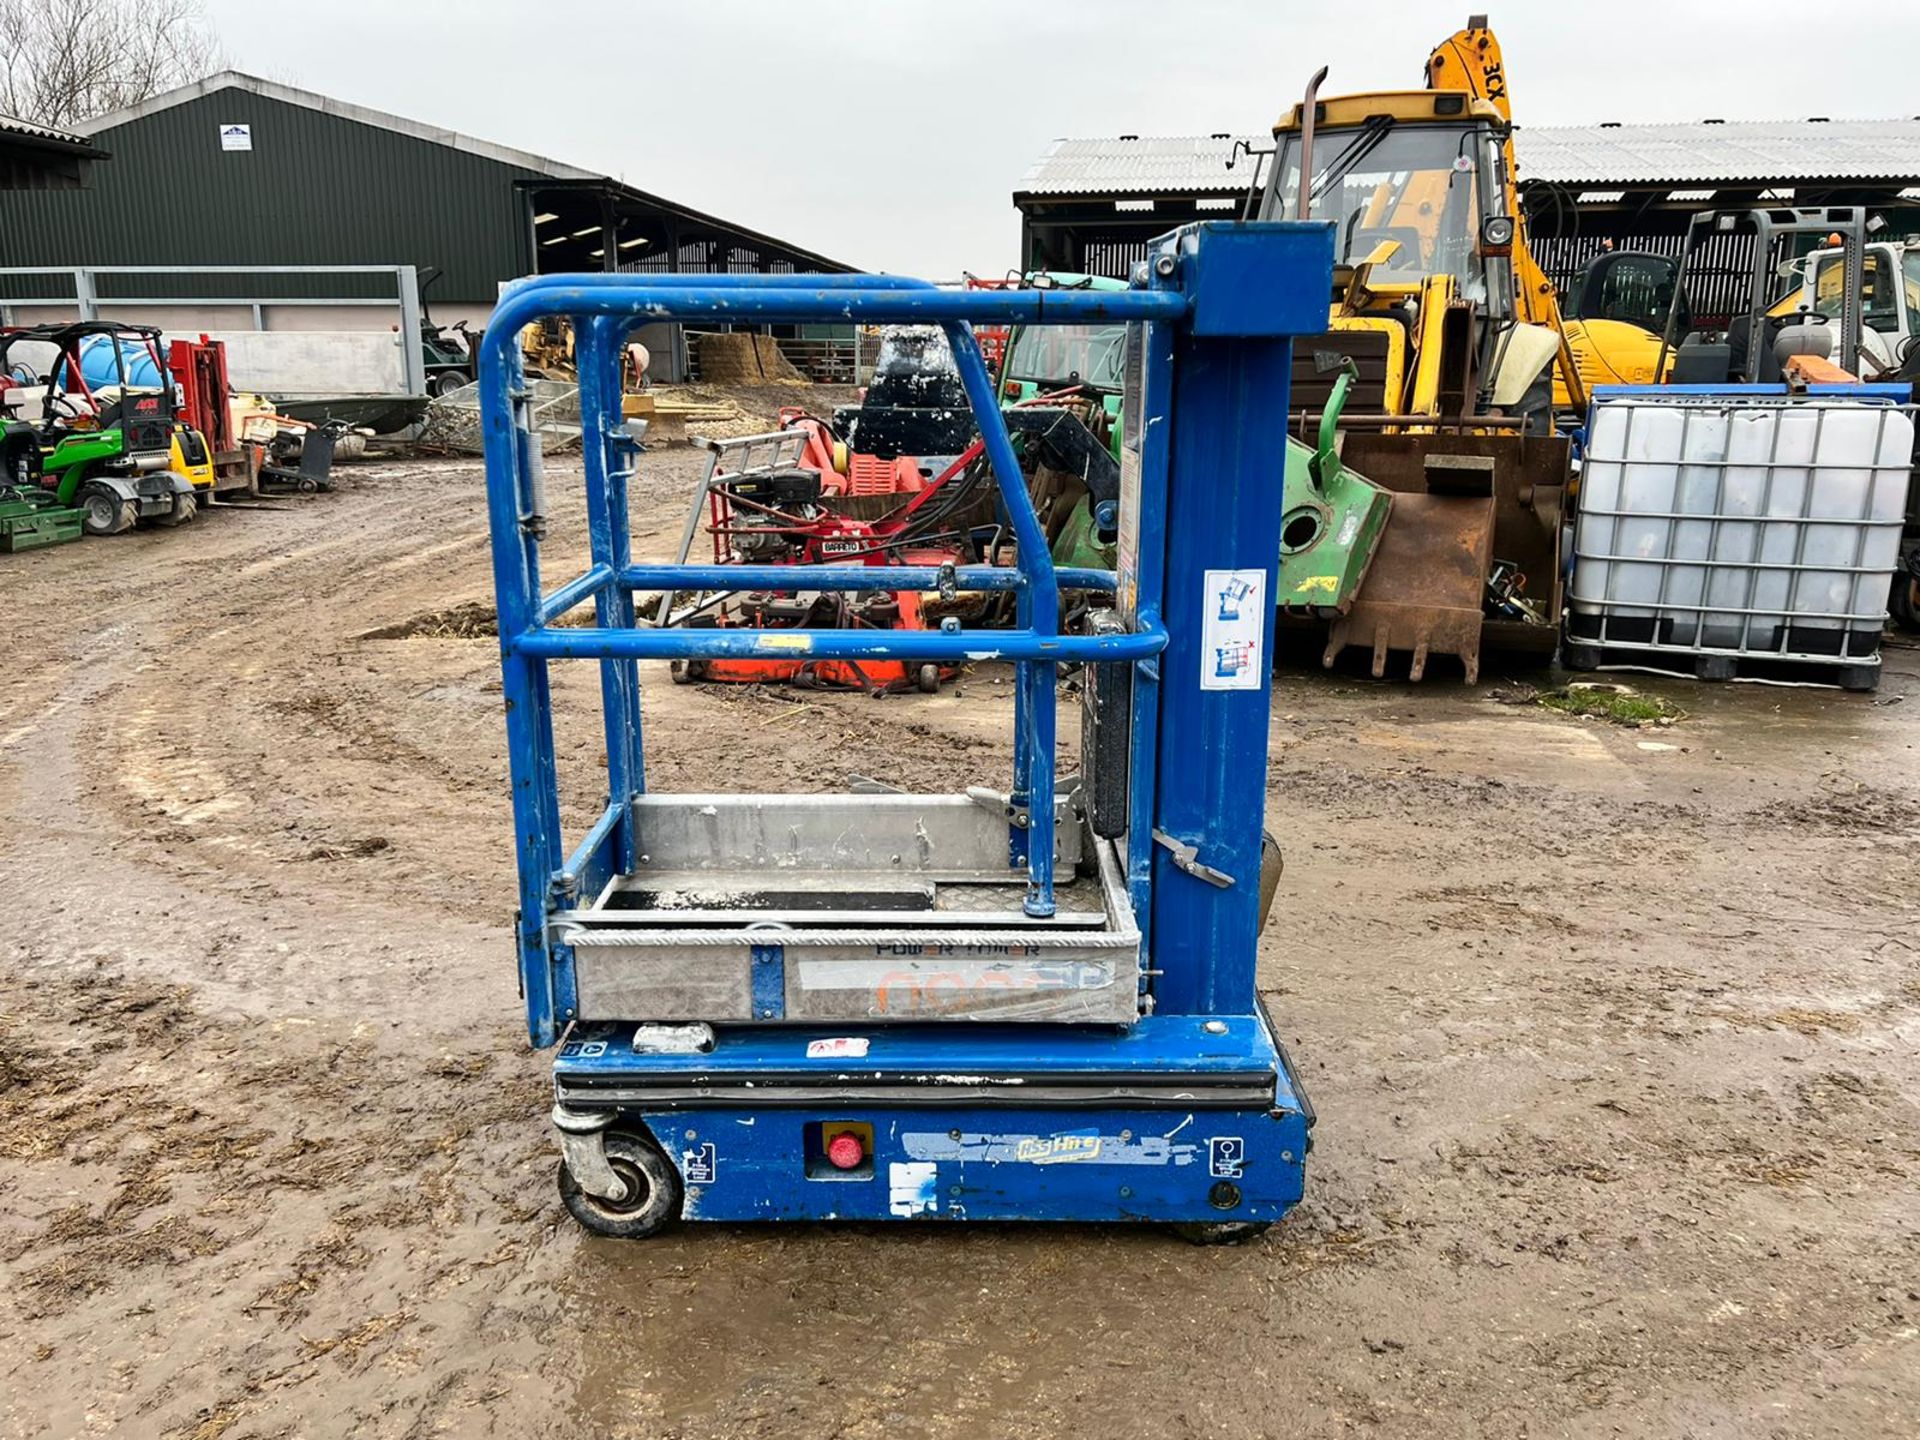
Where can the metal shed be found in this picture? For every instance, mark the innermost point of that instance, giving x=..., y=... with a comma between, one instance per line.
x=1634, y=187
x=33, y=157
x=1091, y=204
x=237, y=171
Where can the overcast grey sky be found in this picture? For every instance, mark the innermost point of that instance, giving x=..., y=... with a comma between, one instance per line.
x=890, y=135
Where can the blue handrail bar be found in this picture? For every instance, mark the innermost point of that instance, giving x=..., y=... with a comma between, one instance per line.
x=786, y=579
x=742, y=643
x=817, y=299
x=577, y=591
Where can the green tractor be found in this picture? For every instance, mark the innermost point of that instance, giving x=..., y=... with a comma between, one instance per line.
x=1333, y=517
x=1087, y=359
x=112, y=447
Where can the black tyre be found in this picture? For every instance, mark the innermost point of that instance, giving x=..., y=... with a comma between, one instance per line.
x=185, y=507
x=1222, y=1232
x=927, y=678
x=1580, y=657
x=653, y=1199
x=1903, y=603
x=682, y=672
x=446, y=382
x=107, y=513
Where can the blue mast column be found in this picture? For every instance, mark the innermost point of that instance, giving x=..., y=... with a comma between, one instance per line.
x=1253, y=288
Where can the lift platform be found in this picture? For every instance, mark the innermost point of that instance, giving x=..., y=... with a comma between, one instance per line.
x=1030, y=1003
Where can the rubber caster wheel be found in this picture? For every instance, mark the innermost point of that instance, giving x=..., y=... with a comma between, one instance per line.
x=1580, y=657
x=927, y=679
x=1222, y=1232
x=653, y=1198
x=683, y=672
x=1903, y=601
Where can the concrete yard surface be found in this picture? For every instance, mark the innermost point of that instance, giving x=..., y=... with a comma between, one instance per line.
x=1612, y=1033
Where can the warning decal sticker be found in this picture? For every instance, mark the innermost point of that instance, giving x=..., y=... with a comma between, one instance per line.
x=1233, y=622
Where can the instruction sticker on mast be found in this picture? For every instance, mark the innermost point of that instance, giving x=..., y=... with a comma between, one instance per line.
x=1233, y=629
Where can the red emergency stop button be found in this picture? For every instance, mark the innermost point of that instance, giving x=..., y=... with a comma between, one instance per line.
x=845, y=1152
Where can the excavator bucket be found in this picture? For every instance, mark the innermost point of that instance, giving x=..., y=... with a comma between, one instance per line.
x=1461, y=503
x=1425, y=592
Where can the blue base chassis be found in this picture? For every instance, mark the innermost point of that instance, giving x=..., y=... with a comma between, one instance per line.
x=1169, y=1121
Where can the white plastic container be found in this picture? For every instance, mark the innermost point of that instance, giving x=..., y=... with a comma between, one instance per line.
x=1749, y=526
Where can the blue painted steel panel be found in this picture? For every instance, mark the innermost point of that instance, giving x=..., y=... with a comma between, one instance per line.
x=1224, y=464
x=768, y=980
x=1247, y=278
x=990, y=1164
x=1156, y=1045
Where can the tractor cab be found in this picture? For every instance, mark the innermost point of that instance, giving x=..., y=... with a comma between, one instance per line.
x=68, y=379
x=1049, y=358
x=100, y=402
x=1421, y=172
x=1425, y=298
x=1080, y=366
x=1889, y=299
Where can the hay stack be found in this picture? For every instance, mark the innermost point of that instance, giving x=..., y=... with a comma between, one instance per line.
x=743, y=359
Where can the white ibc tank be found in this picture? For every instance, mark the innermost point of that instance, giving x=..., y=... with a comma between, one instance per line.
x=1739, y=525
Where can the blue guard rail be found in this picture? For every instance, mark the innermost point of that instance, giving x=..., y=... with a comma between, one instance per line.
x=602, y=309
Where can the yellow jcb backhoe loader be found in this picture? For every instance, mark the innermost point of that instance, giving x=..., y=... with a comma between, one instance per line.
x=1456, y=337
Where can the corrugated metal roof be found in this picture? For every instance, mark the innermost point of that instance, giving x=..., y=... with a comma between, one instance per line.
x=1695, y=152
x=15, y=126
x=386, y=179
x=327, y=105
x=1150, y=164
x=1714, y=151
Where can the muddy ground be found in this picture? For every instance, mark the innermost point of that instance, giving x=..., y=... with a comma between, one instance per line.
x=1612, y=1033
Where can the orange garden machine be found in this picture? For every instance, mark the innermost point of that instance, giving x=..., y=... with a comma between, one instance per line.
x=798, y=496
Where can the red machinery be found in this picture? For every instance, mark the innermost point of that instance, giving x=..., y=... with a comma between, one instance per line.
x=199, y=369
x=299, y=456
x=800, y=497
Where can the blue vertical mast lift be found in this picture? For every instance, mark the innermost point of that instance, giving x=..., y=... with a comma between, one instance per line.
x=1030, y=1004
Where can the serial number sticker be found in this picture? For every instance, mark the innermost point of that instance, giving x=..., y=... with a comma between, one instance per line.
x=851, y=1047
x=776, y=641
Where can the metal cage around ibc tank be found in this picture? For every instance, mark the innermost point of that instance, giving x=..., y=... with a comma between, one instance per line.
x=1722, y=531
